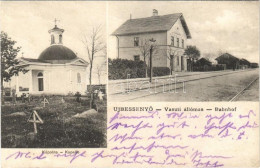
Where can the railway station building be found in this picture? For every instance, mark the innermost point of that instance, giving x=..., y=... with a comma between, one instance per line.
x=170, y=32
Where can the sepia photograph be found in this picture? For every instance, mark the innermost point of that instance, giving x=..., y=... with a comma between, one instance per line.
x=53, y=75
x=129, y=84
x=183, y=51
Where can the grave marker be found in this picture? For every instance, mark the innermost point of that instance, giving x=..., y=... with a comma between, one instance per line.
x=29, y=98
x=35, y=118
x=45, y=101
x=100, y=95
x=14, y=96
x=62, y=100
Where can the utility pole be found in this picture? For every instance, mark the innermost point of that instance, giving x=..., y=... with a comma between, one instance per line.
x=151, y=54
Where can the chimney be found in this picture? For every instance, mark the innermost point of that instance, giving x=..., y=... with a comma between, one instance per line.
x=155, y=12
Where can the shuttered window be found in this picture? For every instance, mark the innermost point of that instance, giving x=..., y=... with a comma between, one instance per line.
x=136, y=41
x=137, y=57
x=172, y=41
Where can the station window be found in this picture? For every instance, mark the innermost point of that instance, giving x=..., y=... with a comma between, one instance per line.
x=136, y=41
x=137, y=57
x=172, y=41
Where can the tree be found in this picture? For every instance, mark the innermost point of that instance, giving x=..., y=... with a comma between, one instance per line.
x=100, y=70
x=145, y=46
x=9, y=63
x=173, y=52
x=101, y=67
x=93, y=44
x=145, y=52
x=193, y=54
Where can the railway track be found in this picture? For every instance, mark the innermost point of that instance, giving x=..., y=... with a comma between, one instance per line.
x=239, y=93
x=217, y=73
x=245, y=88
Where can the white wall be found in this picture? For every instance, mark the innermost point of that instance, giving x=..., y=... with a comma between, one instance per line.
x=127, y=50
x=177, y=31
x=57, y=79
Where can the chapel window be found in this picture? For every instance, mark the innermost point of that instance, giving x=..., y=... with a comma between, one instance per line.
x=178, y=44
x=60, y=38
x=52, y=39
x=78, y=78
x=40, y=81
x=40, y=74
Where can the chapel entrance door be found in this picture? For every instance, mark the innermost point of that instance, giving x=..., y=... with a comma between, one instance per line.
x=40, y=81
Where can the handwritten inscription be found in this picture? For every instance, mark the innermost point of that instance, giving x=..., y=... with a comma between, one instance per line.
x=179, y=138
x=139, y=138
x=42, y=156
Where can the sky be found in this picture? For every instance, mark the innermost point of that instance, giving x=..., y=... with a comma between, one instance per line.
x=216, y=26
x=28, y=24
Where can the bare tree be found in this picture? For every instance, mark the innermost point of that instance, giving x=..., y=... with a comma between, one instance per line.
x=102, y=67
x=93, y=44
x=172, y=53
x=100, y=71
x=145, y=51
x=145, y=46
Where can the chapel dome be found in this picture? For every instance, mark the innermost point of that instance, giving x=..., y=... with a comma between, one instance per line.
x=57, y=52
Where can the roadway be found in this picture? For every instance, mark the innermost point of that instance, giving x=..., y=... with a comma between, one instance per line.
x=221, y=86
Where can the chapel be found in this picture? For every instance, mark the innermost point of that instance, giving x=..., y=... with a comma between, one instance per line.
x=57, y=70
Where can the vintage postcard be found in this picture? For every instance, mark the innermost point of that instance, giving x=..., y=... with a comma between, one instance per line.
x=129, y=84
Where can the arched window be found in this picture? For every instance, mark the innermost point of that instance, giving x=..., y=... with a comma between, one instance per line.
x=78, y=78
x=40, y=75
x=52, y=39
x=60, y=38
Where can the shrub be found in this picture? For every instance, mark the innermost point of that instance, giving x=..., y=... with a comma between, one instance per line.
x=78, y=95
x=120, y=68
x=160, y=71
x=217, y=67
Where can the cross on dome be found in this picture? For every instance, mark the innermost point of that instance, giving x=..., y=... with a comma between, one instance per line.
x=55, y=21
x=56, y=34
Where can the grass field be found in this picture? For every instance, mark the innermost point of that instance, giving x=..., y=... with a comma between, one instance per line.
x=60, y=128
